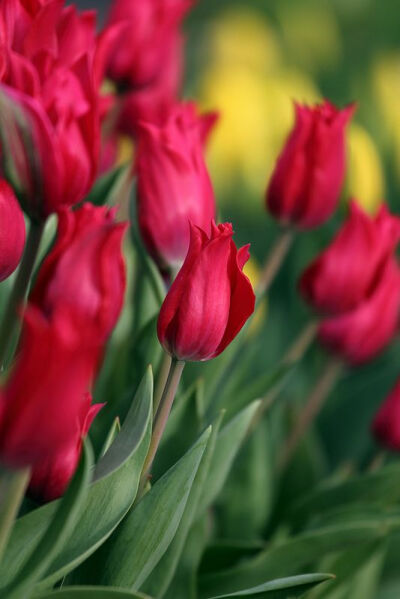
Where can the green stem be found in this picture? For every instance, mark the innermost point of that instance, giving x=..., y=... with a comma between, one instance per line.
x=161, y=381
x=274, y=261
x=161, y=417
x=12, y=488
x=310, y=410
x=20, y=288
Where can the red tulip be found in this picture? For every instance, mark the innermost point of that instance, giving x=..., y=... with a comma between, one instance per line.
x=386, y=424
x=84, y=274
x=306, y=183
x=51, y=477
x=51, y=68
x=210, y=299
x=42, y=400
x=173, y=184
x=358, y=335
x=12, y=231
x=151, y=28
x=345, y=273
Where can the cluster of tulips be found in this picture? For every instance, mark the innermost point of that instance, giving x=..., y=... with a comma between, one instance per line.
x=60, y=129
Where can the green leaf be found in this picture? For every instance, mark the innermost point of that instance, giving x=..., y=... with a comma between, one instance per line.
x=91, y=593
x=157, y=584
x=110, y=497
x=106, y=189
x=295, y=586
x=294, y=554
x=221, y=554
x=57, y=533
x=228, y=444
x=146, y=533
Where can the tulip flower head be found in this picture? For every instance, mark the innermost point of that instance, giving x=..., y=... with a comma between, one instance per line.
x=305, y=185
x=12, y=231
x=210, y=299
x=386, y=423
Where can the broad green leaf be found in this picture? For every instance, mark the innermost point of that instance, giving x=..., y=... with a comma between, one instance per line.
x=221, y=554
x=146, y=533
x=228, y=443
x=157, y=584
x=110, y=497
x=283, y=588
x=294, y=554
x=106, y=189
x=57, y=533
x=91, y=593
x=376, y=488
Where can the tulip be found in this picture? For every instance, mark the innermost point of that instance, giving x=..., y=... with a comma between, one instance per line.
x=41, y=402
x=51, y=477
x=84, y=274
x=358, y=335
x=51, y=72
x=305, y=185
x=386, y=423
x=151, y=29
x=344, y=274
x=12, y=231
x=173, y=185
x=210, y=299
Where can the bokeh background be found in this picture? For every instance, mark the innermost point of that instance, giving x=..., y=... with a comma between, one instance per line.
x=250, y=59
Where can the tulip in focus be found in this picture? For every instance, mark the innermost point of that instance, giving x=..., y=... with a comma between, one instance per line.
x=346, y=272
x=12, y=231
x=386, y=423
x=84, y=274
x=210, y=299
x=51, y=477
x=305, y=186
x=173, y=184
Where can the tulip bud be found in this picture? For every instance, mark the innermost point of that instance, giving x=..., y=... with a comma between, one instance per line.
x=84, y=273
x=151, y=29
x=210, y=299
x=386, y=424
x=305, y=185
x=344, y=274
x=41, y=402
x=50, y=477
x=173, y=184
x=12, y=231
x=358, y=335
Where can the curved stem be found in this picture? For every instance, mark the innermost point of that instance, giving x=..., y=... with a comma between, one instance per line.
x=13, y=484
x=162, y=378
x=301, y=343
x=310, y=410
x=20, y=289
x=274, y=261
x=161, y=417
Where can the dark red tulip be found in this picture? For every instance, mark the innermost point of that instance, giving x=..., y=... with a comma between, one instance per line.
x=346, y=272
x=50, y=477
x=305, y=185
x=210, y=299
x=12, y=231
x=173, y=184
x=84, y=274
x=360, y=334
x=386, y=423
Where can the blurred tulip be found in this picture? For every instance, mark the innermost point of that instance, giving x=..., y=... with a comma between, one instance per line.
x=84, y=274
x=347, y=271
x=41, y=402
x=359, y=335
x=151, y=29
x=386, y=423
x=52, y=69
x=365, y=179
x=12, y=231
x=50, y=477
x=305, y=185
x=173, y=185
x=210, y=299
